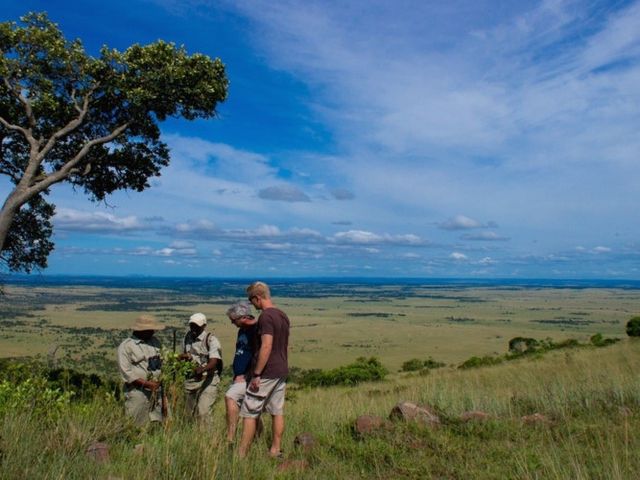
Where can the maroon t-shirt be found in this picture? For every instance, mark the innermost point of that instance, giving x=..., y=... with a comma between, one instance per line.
x=274, y=322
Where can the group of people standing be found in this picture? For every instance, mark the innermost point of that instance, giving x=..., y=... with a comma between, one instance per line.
x=260, y=369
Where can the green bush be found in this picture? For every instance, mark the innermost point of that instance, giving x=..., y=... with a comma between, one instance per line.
x=568, y=343
x=362, y=370
x=412, y=365
x=516, y=344
x=598, y=340
x=633, y=327
x=475, y=362
x=80, y=386
x=33, y=395
x=430, y=363
x=416, y=364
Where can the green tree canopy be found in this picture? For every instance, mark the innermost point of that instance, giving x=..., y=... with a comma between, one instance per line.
x=66, y=116
x=633, y=327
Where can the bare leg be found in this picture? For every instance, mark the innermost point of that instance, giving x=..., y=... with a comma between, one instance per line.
x=259, y=427
x=233, y=411
x=248, y=432
x=277, y=422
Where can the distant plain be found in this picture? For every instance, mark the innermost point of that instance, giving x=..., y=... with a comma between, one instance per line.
x=331, y=324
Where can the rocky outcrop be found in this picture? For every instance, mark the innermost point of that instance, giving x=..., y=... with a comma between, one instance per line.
x=412, y=412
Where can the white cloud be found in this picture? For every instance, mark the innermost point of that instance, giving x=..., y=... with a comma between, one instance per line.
x=276, y=246
x=487, y=261
x=362, y=237
x=457, y=256
x=199, y=226
x=98, y=222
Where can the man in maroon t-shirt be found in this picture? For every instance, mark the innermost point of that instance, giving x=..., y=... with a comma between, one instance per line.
x=270, y=367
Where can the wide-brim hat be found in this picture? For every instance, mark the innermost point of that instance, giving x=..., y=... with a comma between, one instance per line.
x=147, y=322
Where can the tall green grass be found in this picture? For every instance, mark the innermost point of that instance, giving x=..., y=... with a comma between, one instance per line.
x=591, y=397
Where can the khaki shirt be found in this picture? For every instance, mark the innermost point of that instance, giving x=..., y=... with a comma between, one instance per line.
x=133, y=359
x=200, y=352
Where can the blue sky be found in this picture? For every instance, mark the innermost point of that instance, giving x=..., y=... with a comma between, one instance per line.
x=378, y=138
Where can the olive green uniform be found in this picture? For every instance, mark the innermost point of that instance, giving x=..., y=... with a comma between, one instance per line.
x=201, y=393
x=133, y=360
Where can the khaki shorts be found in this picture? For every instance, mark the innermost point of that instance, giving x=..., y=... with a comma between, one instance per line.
x=236, y=392
x=269, y=398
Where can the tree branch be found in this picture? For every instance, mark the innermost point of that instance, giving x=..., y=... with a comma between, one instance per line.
x=16, y=128
x=69, y=127
x=22, y=99
x=67, y=168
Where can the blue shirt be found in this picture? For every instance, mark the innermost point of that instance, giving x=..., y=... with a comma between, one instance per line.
x=245, y=345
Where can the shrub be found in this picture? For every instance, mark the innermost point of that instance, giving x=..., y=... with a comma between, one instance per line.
x=81, y=385
x=412, y=365
x=523, y=344
x=598, y=340
x=33, y=395
x=416, y=364
x=475, y=362
x=568, y=343
x=633, y=327
x=430, y=363
x=362, y=370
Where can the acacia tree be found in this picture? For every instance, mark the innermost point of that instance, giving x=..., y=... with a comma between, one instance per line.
x=66, y=116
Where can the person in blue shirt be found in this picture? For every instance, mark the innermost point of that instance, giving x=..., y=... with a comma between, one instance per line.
x=240, y=316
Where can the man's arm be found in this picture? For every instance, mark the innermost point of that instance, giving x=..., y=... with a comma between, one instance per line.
x=211, y=365
x=213, y=346
x=263, y=356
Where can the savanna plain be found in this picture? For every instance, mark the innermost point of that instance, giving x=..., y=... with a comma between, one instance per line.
x=589, y=396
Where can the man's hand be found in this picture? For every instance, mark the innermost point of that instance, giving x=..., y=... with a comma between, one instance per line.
x=184, y=356
x=198, y=372
x=239, y=379
x=254, y=384
x=152, y=385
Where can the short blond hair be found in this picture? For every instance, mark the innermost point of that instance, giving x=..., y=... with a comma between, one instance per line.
x=258, y=289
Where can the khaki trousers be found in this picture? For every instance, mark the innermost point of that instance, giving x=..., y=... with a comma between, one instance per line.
x=142, y=405
x=200, y=396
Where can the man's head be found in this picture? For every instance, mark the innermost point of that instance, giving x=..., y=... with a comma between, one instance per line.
x=197, y=322
x=259, y=295
x=240, y=314
x=145, y=326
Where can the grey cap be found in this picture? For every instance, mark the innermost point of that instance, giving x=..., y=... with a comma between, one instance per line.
x=239, y=310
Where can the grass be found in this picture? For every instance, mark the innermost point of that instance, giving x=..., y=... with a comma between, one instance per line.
x=591, y=396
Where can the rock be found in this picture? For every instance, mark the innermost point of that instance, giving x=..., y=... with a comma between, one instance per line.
x=305, y=442
x=475, y=416
x=367, y=424
x=536, y=419
x=139, y=449
x=98, y=451
x=293, y=465
x=411, y=412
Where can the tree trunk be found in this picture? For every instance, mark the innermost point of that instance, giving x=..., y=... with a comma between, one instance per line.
x=11, y=206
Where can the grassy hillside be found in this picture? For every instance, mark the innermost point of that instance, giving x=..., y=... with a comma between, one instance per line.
x=590, y=396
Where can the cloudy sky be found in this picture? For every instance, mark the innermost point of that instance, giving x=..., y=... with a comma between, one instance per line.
x=405, y=138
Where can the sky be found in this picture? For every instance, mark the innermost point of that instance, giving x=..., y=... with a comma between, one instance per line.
x=377, y=138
